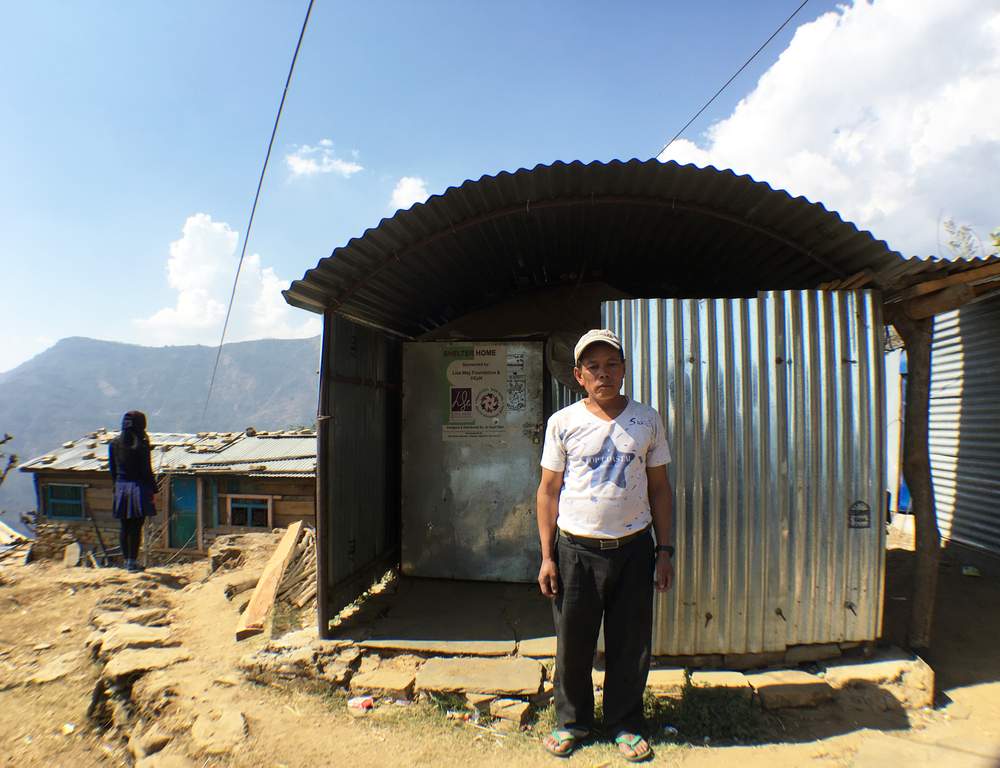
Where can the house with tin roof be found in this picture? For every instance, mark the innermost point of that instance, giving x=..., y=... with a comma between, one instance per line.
x=209, y=484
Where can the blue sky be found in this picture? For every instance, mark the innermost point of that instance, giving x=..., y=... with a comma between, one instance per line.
x=132, y=133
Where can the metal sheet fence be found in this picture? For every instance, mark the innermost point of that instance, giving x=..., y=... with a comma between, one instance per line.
x=964, y=413
x=775, y=411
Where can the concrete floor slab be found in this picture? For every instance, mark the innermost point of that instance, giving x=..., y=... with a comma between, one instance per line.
x=461, y=618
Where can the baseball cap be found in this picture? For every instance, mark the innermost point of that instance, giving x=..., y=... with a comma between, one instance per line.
x=602, y=335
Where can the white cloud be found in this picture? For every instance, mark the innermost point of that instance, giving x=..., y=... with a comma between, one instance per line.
x=408, y=190
x=200, y=269
x=308, y=161
x=885, y=112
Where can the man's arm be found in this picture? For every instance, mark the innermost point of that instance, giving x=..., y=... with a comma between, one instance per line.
x=547, y=501
x=661, y=505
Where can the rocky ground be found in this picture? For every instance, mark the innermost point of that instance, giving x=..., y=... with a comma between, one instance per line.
x=100, y=667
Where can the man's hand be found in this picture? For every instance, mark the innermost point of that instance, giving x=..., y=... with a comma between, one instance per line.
x=548, y=578
x=664, y=572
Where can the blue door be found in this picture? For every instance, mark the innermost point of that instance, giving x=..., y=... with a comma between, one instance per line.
x=183, y=512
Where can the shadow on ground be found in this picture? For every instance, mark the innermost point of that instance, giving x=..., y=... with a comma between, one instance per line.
x=967, y=616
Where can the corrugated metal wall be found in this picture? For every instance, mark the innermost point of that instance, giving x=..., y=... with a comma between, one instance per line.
x=964, y=415
x=359, y=526
x=775, y=407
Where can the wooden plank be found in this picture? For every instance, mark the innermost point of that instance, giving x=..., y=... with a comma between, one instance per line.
x=961, y=278
x=262, y=600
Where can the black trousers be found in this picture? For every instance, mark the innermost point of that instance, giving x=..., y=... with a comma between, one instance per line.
x=616, y=585
x=130, y=535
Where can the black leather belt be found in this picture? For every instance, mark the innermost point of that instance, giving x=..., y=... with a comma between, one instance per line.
x=592, y=543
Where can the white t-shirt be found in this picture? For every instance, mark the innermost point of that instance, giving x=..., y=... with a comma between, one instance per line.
x=604, y=493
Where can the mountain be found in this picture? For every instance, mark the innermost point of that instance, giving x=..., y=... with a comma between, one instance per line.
x=80, y=385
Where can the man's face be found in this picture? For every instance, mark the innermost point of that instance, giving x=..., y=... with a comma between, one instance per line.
x=601, y=372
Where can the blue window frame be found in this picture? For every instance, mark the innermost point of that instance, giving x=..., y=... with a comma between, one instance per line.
x=64, y=502
x=249, y=512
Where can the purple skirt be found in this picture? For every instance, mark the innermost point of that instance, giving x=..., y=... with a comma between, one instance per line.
x=133, y=500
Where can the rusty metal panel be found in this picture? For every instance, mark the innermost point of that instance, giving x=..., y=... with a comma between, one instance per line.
x=361, y=509
x=472, y=430
x=774, y=407
x=964, y=413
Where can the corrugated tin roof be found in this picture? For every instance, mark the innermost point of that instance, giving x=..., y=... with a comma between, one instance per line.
x=645, y=227
x=263, y=453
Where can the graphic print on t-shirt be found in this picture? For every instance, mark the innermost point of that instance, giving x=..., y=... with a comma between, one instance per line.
x=608, y=465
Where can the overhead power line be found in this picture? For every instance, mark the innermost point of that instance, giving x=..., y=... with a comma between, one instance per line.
x=735, y=75
x=253, y=208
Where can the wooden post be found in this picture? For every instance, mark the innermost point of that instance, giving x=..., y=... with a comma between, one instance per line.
x=916, y=335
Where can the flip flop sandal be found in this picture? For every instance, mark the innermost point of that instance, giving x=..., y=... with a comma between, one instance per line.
x=631, y=740
x=561, y=738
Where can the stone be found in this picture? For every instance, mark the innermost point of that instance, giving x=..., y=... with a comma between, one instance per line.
x=72, y=554
x=161, y=760
x=336, y=673
x=665, y=681
x=121, y=636
x=134, y=661
x=228, y=681
x=148, y=742
x=509, y=676
x=802, y=654
x=217, y=733
x=295, y=640
x=385, y=681
x=55, y=669
x=480, y=702
x=150, y=617
x=790, y=688
x=512, y=710
x=537, y=647
x=42, y=647
x=543, y=698
x=736, y=681
x=908, y=678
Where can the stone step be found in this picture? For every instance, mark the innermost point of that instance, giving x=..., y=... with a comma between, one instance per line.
x=508, y=676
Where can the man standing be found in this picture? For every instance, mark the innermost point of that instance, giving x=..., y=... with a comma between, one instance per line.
x=604, y=488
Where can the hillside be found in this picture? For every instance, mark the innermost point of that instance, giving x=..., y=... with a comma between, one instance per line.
x=82, y=384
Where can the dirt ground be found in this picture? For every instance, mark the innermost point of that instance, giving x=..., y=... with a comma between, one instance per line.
x=44, y=611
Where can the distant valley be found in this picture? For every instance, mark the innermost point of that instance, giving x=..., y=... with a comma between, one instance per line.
x=81, y=384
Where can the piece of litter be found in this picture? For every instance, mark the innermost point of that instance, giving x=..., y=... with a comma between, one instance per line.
x=669, y=730
x=453, y=714
x=360, y=704
x=970, y=570
x=402, y=702
x=68, y=728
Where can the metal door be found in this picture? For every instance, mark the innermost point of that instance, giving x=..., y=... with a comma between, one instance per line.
x=471, y=442
x=183, y=511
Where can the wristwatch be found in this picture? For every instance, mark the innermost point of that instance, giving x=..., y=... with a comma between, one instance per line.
x=665, y=548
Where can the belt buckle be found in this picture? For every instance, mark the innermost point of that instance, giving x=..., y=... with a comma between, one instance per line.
x=610, y=544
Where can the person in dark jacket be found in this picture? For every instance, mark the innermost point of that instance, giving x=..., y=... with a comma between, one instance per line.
x=129, y=459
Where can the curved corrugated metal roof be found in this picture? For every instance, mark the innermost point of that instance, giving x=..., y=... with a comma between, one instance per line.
x=645, y=227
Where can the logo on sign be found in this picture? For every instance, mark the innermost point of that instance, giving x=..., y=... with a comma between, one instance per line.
x=490, y=403
x=461, y=400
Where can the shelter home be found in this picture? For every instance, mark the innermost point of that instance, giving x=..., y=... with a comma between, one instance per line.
x=753, y=321
x=209, y=484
